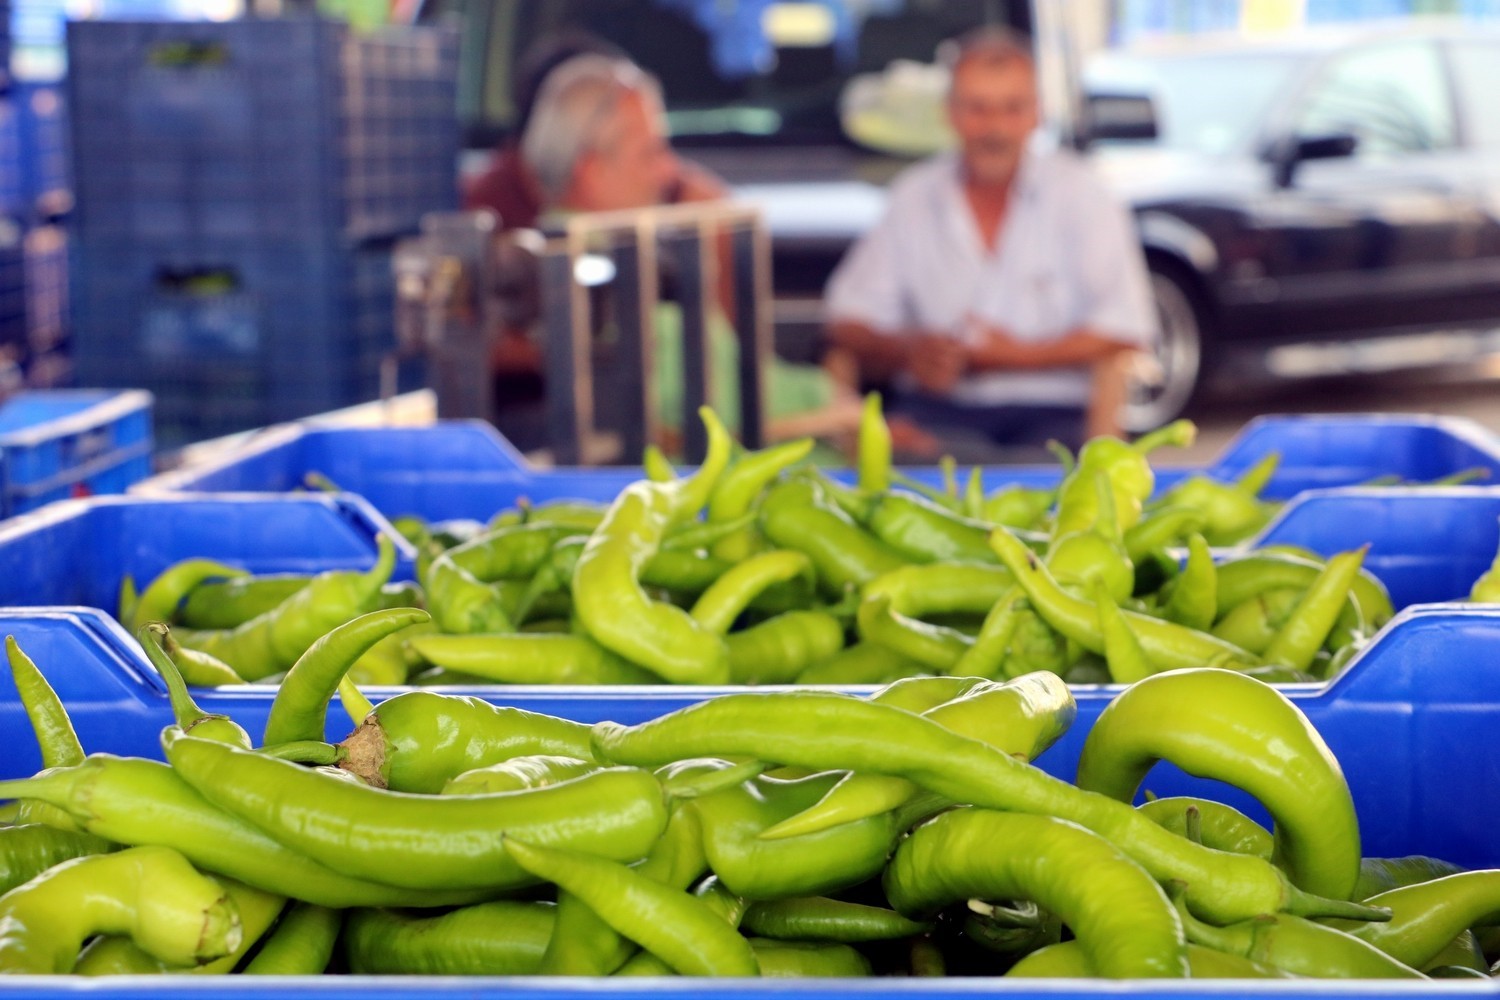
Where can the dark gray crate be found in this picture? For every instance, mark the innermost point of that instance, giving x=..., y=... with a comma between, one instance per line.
x=260, y=129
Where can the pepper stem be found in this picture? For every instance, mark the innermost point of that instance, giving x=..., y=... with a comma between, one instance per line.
x=1063, y=454
x=873, y=447
x=1304, y=904
x=692, y=786
x=1193, y=820
x=184, y=709
x=1178, y=434
x=1255, y=478
x=354, y=701
x=306, y=752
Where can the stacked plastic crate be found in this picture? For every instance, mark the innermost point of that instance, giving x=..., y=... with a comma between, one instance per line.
x=46, y=193
x=239, y=186
x=13, y=341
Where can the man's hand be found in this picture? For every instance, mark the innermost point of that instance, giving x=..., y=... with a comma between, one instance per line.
x=937, y=362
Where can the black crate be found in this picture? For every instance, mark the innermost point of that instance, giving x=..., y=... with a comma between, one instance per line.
x=231, y=336
x=260, y=129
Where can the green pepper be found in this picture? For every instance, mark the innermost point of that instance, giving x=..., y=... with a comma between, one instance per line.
x=159, y=601
x=301, y=943
x=28, y=849
x=150, y=894
x=1067, y=960
x=615, y=610
x=1167, y=644
x=1247, y=734
x=1118, y=913
x=672, y=925
x=1298, y=946
x=827, y=731
x=272, y=642
x=138, y=802
x=1192, y=600
x=1128, y=473
x=1212, y=824
x=386, y=836
x=229, y=603
x=755, y=868
x=807, y=959
x=797, y=514
x=737, y=490
x=1427, y=916
x=818, y=918
x=540, y=658
x=498, y=938
x=417, y=740
x=1021, y=717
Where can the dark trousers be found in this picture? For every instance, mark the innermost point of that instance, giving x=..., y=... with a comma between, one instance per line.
x=1000, y=433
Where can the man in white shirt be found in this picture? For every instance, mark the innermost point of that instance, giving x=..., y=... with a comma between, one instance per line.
x=1004, y=290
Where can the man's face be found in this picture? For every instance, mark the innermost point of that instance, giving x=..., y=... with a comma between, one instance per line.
x=637, y=167
x=993, y=108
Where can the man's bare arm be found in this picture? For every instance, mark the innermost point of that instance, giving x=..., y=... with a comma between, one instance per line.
x=997, y=350
x=879, y=355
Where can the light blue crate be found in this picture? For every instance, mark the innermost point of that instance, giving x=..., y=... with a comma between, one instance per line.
x=60, y=443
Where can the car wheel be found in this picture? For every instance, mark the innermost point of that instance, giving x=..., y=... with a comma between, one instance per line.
x=1163, y=382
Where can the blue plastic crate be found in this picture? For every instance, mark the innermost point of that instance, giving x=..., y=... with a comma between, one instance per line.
x=1427, y=546
x=1412, y=721
x=78, y=552
x=230, y=336
x=12, y=194
x=13, y=338
x=260, y=129
x=55, y=445
x=45, y=276
x=458, y=470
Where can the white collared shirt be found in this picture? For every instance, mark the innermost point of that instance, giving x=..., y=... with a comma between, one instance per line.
x=1067, y=258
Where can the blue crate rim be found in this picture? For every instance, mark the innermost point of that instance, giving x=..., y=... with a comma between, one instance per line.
x=348, y=506
x=76, y=473
x=241, y=447
x=351, y=987
x=112, y=405
x=1325, y=494
x=1463, y=429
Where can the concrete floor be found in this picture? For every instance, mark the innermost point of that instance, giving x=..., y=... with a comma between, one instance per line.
x=1471, y=391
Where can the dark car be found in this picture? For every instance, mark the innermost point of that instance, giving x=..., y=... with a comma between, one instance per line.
x=1328, y=206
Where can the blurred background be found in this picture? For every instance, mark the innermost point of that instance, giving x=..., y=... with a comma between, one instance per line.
x=254, y=211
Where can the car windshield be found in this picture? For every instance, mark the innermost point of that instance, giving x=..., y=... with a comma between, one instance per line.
x=758, y=70
x=1208, y=102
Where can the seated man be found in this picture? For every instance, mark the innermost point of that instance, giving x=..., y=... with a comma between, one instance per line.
x=596, y=142
x=1004, y=289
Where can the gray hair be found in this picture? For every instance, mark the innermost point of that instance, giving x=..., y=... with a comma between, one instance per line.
x=987, y=45
x=577, y=111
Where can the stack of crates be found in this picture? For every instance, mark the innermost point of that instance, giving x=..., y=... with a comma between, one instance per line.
x=239, y=187
x=46, y=196
x=13, y=218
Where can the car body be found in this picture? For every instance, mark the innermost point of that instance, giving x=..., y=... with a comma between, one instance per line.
x=1329, y=205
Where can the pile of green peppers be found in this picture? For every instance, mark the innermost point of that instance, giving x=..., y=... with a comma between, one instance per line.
x=757, y=569
x=790, y=833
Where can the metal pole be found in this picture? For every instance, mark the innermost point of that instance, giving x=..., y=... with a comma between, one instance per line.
x=565, y=412
x=687, y=247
